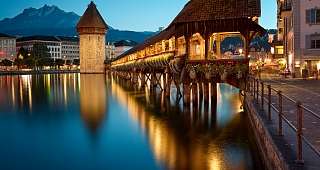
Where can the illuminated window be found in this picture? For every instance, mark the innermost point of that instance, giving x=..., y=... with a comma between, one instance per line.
x=198, y=48
x=279, y=50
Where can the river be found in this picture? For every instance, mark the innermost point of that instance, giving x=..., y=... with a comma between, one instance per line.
x=73, y=121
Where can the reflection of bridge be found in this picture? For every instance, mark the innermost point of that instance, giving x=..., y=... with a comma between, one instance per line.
x=167, y=133
x=189, y=49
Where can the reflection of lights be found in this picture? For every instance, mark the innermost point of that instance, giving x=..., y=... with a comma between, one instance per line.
x=93, y=100
x=13, y=92
x=214, y=163
x=65, y=89
x=26, y=84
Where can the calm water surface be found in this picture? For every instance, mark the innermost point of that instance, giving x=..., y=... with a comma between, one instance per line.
x=93, y=122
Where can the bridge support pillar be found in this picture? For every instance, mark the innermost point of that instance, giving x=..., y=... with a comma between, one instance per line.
x=143, y=80
x=186, y=94
x=195, y=95
x=167, y=84
x=153, y=82
x=213, y=93
x=206, y=94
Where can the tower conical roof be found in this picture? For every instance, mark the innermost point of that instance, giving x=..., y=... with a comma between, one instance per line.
x=92, y=18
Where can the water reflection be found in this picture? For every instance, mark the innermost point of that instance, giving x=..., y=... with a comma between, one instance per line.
x=93, y=99
x=207, y=138
x=35, y=93
x=137, y=131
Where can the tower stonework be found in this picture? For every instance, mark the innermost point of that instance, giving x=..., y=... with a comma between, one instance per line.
x=92, y=31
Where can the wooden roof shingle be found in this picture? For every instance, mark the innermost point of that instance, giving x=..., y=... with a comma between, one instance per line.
x=92, y=18
x=208, y=10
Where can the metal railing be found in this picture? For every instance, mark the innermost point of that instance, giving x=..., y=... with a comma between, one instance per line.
x=272, y=101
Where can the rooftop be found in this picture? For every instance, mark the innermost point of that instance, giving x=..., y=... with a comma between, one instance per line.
x=129, y=43
x=208, y=10
x=6, y=36
x=38, y=37
x=92, y=18
x=73, y=39
x=47, y=38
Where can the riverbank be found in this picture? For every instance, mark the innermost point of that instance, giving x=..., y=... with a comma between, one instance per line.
x=28, y=72
x=278, y=151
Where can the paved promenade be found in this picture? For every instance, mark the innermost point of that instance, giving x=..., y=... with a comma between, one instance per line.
x=307, y=92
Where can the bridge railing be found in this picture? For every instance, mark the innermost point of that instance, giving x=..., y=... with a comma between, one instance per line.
x=283, y=109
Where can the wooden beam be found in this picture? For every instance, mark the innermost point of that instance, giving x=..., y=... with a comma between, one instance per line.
x=206, y=47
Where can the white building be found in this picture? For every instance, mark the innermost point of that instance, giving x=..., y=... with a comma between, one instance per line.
x=69, y=47
x=7, y=47
x=299, y=30
x=53, y=44
x=60, y=47
x=110, y=51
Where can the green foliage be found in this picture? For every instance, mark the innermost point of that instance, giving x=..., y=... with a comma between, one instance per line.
x=76, y=62
x=6, y=62
x=59, y=62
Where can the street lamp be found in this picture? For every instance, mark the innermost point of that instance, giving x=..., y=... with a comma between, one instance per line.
x=240, y=51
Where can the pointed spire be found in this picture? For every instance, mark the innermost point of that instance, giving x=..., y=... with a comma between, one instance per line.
x=92, y=18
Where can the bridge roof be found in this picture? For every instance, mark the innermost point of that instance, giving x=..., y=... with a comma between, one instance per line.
x=207, y=17
x=207, y=10
x=92, y=18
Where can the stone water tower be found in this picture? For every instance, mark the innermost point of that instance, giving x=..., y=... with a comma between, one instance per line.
x=92, y=31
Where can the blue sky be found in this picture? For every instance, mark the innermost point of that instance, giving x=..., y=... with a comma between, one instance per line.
x=136, y=15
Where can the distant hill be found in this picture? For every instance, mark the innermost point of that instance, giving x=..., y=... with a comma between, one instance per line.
x=50, y=20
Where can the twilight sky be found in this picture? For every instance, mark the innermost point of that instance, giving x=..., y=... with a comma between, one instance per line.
x=135, y=15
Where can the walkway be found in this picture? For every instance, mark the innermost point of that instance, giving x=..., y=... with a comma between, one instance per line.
x=306, y=91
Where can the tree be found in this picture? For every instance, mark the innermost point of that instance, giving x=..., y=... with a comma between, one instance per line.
x=59, y=62
x=39, y=52
x=6, y=62
x=76, y=62
x=22, y=54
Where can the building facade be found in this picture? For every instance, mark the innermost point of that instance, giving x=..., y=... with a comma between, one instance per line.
x=53, y=44
x=299, y=32
x=60, y=47
x=69, y=47
x=7, y=47
x=110, y=51
x=92, y=31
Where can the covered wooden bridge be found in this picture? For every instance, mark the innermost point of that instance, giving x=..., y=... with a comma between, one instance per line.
x=188, y=52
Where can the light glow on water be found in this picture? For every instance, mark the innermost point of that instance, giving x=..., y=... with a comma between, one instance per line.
x=108, y=123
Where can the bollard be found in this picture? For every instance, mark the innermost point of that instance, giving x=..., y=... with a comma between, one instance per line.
x=280, y=113
x=299, y=133
x=269, y=102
